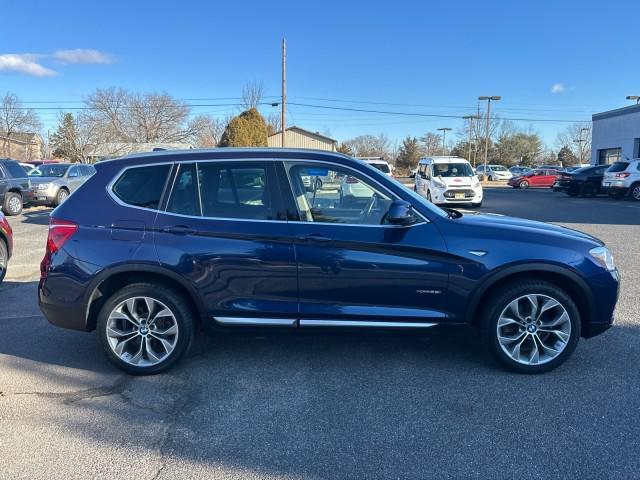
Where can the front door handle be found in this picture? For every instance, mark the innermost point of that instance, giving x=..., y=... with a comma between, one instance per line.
x=313, y=237
x=178, y=230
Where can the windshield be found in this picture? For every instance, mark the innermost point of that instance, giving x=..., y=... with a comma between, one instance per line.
x=51, y=170
x=452, y=170
x=498, y=168
x=618, y=167
x=383, y=167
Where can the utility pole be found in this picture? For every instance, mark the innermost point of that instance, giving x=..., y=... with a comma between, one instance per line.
x=444, y=131
x=470, y=119
x=486, y=140
x=283, y=124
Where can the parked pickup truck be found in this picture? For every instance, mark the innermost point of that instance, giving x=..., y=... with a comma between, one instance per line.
x=14, y=187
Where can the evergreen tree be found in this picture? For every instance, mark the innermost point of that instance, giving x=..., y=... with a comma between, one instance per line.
x=63, y=139
x=566, y=157
x=409, y=153
x=248, y=129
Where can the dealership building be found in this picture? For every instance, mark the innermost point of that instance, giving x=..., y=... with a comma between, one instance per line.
x=615, y=135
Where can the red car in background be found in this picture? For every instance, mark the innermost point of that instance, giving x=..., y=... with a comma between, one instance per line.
x=6, y=245
x=540, y=177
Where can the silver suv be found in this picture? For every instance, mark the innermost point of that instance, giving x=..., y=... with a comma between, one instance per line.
x=623, y=178
x=52, y=183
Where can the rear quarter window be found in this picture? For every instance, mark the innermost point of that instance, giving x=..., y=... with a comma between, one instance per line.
x=618, y=167
x=142, y=186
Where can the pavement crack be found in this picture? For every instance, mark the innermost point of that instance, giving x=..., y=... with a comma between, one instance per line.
x=77, y=395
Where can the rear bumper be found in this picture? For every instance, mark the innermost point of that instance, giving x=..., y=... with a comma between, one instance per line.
x=615, y=189
x=65, y=316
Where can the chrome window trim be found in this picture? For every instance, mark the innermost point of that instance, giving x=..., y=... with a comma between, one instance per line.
x=116, y=199
x=363, y=323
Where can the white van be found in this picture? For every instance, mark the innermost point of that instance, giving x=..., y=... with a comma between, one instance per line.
x=448, y=181
x=379, y=163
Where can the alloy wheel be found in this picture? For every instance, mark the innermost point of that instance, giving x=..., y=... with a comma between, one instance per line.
x=524, y=184
x=62, y=196
x=15, y=204
x=635, y=192
x=534, y=329
x=142, y=331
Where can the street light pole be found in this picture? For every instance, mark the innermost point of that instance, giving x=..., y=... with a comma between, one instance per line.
x=486, y=140
x=634, y=97
x=444, y=131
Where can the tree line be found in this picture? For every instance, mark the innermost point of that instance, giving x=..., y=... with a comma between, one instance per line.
x=113, y=118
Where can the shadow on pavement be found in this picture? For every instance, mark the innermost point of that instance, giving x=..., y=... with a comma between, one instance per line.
x=36, y=216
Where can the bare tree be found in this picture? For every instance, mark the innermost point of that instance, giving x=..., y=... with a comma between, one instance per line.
x=75, y=138
x=370, y=146
x=577, y=138
x=252, y=95
x=208, y=131
x=14, y=119
x=122, y=116
x=273, y=123
x=431, y=144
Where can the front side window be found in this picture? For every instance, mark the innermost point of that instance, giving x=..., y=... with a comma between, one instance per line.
x=332, y=194
x=142, y=186
x=15, y=170
x=239, y=191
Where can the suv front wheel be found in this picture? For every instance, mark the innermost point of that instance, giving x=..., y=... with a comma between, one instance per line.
x=12, y=204
x=145, y=328
x=635, y=191
x=532, y=327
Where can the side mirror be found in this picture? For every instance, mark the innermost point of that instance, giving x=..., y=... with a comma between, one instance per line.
x=400, y=213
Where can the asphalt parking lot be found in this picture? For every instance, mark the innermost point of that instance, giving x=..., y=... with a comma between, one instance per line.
x=324, y=406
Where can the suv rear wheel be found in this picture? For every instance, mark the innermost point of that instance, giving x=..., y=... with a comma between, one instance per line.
x=145, y=328
x=12, y=204
x=532, y=327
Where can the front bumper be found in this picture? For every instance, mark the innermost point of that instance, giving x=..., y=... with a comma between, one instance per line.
x=42, y=197
x=457, y=196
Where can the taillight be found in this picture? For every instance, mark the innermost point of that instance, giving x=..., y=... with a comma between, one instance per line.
x=59, y=232
x=622, y=175
x=6, y=229
x=351, y=179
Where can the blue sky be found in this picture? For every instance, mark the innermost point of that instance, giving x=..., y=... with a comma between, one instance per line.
x=423, y=57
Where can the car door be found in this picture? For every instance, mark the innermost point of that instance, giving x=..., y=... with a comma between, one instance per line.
x=353, y=268
x=74, y=178
x=223, y=230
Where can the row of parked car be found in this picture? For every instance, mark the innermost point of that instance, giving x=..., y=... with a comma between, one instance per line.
x=44, y=184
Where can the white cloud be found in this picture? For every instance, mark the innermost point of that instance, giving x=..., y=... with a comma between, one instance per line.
x=82, y=56
x=24, y=63
x=558, y=88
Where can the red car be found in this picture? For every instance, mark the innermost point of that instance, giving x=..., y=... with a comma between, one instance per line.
x=540, y=177
x=6, y=245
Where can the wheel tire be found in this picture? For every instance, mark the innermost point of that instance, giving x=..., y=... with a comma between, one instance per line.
x=587, y=190
x=61, y=196
x=182, y=314
x=523, y=184
x=12, y=204
x=4, y=259
x=500, y=300
x=429, y=196
x=634, y=191
x=490, y=178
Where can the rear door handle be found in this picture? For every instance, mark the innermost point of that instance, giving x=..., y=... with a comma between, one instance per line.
x=179, y=230
x=313, y=237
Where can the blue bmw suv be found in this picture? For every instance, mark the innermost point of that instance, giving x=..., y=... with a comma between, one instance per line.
x=157, y=247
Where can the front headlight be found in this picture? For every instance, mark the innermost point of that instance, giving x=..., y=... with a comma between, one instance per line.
x=44, y=186
x=438, y=183
x=475, y=183
x=603, y=257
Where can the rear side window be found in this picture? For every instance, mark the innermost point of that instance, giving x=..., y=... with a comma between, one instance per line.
x=142, y=187
x=618, y=167
x=184, y=196
x=239, y=191
x=15, y=170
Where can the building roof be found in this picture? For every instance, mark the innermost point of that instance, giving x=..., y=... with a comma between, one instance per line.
x=616, y=112
x=28, y=138
x=306, y=132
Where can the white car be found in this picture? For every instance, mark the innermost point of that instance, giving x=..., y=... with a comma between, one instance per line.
x=494, y=172
x=448, y=181
x=623, y=178
x=379, y=163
